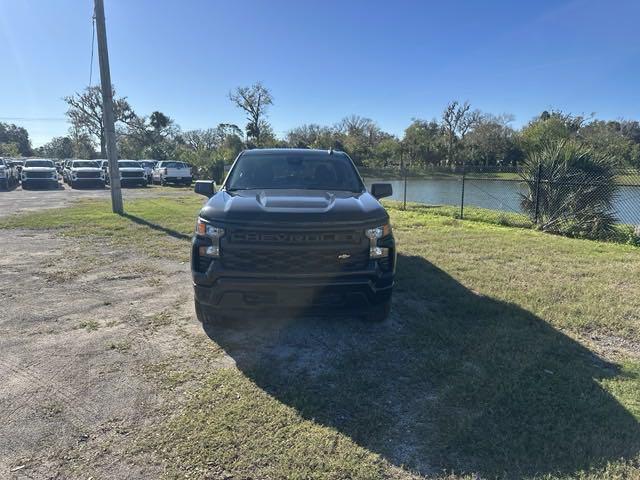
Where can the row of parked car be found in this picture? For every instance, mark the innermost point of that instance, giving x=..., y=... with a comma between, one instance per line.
x=76, y=172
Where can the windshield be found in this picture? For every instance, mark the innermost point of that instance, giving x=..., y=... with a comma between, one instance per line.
x=319, y=171
x=38, y=163
x=147, y=164
x=128, y=164
x=85, y=163
x=173, y=165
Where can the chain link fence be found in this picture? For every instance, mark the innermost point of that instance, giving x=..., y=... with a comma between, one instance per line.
x=603, y=205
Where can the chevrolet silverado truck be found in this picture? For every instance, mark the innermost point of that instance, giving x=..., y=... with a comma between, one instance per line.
x=131, y=173
x=85, y=172
x=39, y=172
x=293, y=230
x=178, y=173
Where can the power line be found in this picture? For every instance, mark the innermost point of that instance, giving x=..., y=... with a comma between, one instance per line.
x=32, y=119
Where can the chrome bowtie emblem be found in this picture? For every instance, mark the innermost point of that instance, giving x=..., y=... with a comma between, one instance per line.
x=343, y=256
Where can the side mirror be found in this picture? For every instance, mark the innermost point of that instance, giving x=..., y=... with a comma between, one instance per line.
x=381, y=190
x=205, y=187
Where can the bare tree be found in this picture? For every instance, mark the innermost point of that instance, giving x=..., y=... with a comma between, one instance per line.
x=85, y=113
x=457, y=119
x=254, y=101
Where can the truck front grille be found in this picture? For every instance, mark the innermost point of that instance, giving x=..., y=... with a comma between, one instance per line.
x=294, y=251
x=294, y=261
x=88, y=174
x=38, y=174
x=294, y=238
x=131, y=174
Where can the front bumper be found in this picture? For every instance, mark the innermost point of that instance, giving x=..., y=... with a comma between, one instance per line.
x=83, y=181
x=40, y=182
x=133, y=181
x=349, y=292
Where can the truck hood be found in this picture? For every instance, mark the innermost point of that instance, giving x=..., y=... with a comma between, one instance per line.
x=86, y=169
x=39, y=169
x=293, y=207
x=131, y=169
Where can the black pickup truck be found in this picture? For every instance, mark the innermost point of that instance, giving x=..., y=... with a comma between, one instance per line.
x=294, y=230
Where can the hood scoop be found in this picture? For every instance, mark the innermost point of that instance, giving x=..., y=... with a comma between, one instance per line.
x=283, y=202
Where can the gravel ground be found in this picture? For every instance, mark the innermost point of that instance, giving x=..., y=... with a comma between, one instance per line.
x=78, y=326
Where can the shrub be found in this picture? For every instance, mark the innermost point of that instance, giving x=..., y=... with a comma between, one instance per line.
x=575, y=190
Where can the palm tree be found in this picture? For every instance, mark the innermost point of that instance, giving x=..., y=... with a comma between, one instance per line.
x=571, y=189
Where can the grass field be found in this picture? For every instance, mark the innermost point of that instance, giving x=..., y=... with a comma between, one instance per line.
x=510, y=353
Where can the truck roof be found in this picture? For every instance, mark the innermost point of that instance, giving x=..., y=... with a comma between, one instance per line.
x=295, y=151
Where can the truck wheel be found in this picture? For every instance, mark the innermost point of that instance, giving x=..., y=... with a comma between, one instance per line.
x=378, y=313
x=5, y=184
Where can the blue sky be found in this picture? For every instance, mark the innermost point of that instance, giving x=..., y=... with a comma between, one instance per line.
x=387, y=60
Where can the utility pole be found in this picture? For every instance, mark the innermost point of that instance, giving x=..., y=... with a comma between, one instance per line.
x=107, y=109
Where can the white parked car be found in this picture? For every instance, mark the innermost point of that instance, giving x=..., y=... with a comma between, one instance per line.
x=39, y=172
x=131, y=173
x=169, y=171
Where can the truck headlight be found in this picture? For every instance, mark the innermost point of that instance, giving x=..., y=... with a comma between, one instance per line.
x=374, y=234
x=2, y=173
x=54, y=175
x=214, y=233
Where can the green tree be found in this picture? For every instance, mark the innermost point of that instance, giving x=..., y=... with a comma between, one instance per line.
x=386, y=153
x=12, y=134
x=424, y=143
x=549, y=127
x=58, y=147
x=85, y=113
x=314, y=136
x=82, y=143
x=492, y=142
x=254, y=101
x=9, y=149
x=359, y=136
x=209, y=150
x=148, y=137
x=608, y=137
x=457, y=120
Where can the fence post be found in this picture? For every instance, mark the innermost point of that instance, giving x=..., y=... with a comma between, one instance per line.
x=404, y=201
x=538, y=175
x=462, y=199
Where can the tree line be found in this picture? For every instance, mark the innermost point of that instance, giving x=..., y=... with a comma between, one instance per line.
x=460, y=135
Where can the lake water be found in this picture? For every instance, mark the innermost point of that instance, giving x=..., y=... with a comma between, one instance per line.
x=495, y=195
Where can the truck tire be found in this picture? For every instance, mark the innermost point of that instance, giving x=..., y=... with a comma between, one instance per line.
x=378, y=313
x=5, y=184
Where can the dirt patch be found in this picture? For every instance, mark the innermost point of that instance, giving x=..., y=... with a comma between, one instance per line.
x=79, y=323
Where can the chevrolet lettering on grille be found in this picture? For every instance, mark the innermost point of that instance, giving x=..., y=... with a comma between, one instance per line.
x=293, y=237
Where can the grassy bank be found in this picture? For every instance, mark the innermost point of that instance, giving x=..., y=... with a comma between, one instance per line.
x=510, y=354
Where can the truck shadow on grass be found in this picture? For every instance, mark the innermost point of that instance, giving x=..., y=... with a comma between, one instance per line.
x=454, y=381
